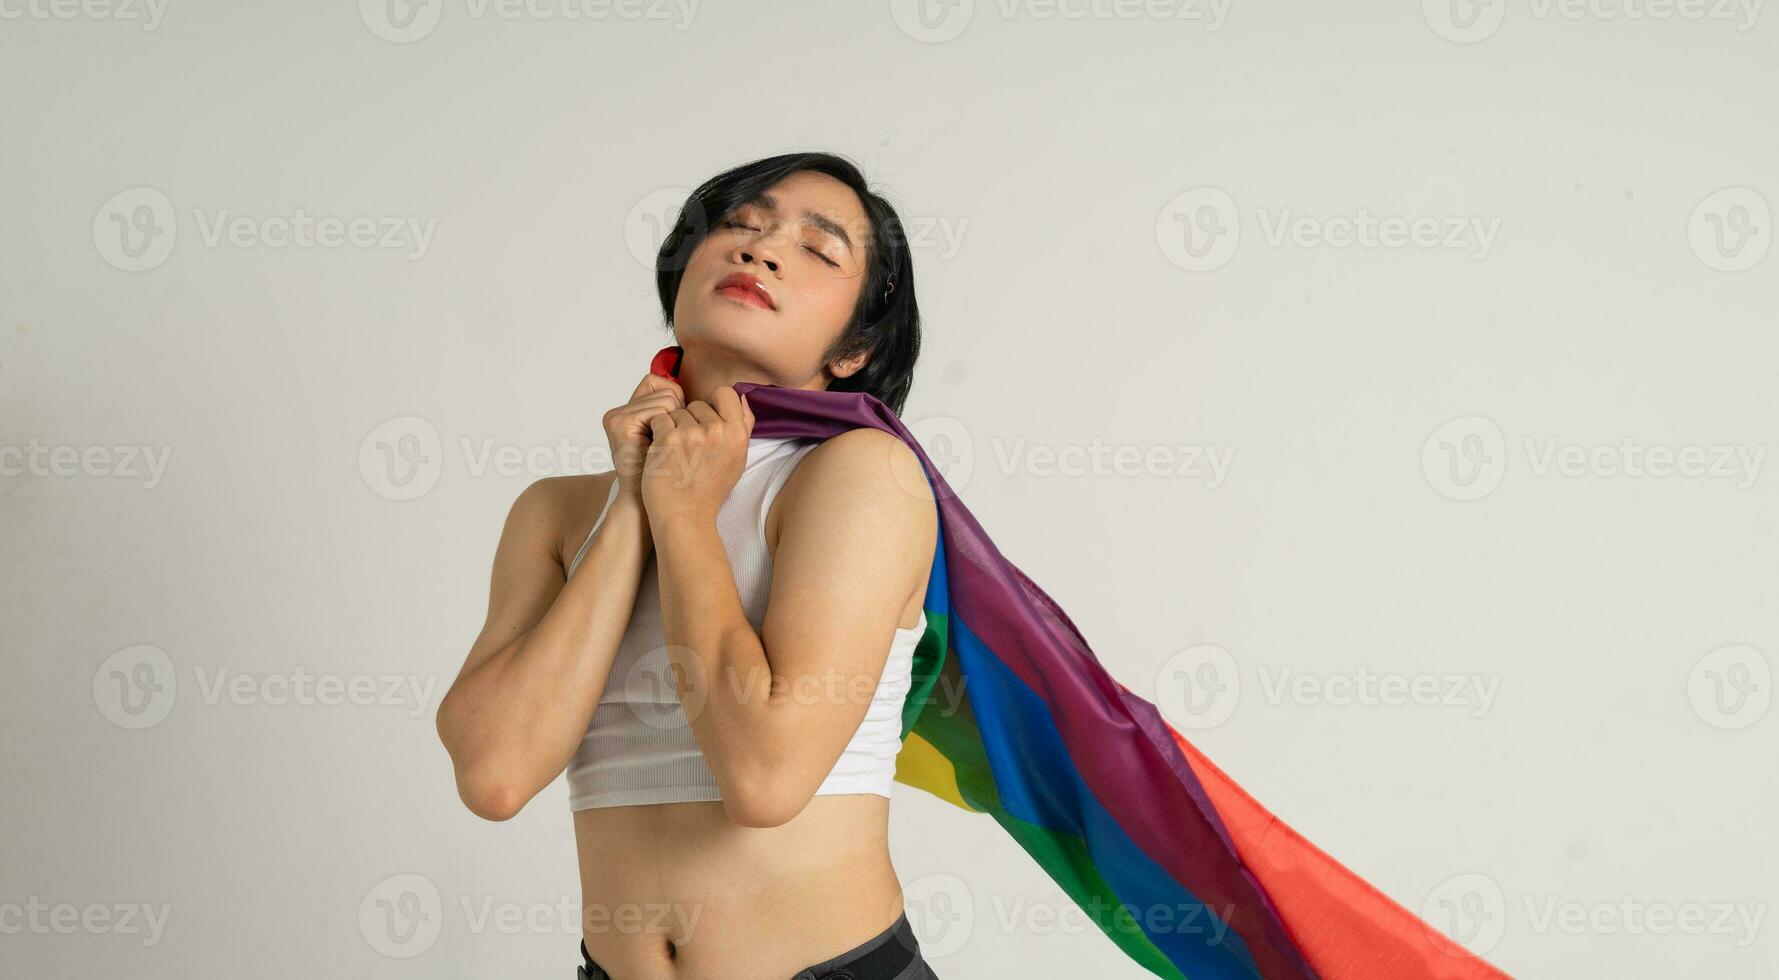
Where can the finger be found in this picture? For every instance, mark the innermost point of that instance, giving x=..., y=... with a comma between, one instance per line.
x=642, y=411
x=747, y=413
x=703, y=412
x=665, y=401
x=727, y=403
x=733, y=409
x=655, y=384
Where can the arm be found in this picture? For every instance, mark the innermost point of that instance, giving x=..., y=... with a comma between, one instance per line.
x=526, y=693
x=773, y=710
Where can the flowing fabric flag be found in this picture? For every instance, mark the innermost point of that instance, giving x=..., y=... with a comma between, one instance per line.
x=1113, y=803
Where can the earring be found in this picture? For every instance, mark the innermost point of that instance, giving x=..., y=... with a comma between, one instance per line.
x=889, y=288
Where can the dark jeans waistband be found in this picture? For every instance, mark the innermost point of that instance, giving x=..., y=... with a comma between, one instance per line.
x=885, y=956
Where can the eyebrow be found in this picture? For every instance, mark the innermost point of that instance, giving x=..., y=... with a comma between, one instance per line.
x=820, y=221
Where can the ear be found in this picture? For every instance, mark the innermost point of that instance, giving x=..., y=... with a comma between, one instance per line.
x=849, y=366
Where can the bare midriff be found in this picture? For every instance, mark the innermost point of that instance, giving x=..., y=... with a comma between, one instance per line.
x=677, y=891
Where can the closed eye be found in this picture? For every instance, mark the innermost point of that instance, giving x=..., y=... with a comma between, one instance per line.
x=732, y=223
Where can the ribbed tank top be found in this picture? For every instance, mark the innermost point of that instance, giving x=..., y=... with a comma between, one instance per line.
x=640, y=748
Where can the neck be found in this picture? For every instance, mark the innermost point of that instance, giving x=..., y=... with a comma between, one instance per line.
x=703, y=370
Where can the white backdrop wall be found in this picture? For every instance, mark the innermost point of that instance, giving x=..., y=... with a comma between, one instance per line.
x=1445, y=334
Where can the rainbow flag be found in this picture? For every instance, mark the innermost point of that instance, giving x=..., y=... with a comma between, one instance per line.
x=1114, y=804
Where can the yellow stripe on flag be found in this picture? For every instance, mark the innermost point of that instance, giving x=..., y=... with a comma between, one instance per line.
x=922, y=766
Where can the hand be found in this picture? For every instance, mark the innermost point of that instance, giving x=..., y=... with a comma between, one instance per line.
x=695, y=456
x=627, y=428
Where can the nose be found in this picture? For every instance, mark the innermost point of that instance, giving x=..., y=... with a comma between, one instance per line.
x=747, y=257
x=763, y=250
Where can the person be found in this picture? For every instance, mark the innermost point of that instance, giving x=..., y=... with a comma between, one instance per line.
x=714, y=638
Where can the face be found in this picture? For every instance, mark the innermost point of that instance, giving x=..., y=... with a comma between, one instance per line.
x=775, y=282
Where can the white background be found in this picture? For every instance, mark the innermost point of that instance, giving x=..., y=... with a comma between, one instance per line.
x=1045, y=158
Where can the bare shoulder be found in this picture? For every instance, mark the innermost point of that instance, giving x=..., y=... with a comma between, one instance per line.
x=862, y=473
x=553, y=508
x=867, y=453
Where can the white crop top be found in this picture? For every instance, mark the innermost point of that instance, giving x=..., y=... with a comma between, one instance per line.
x=640, y=748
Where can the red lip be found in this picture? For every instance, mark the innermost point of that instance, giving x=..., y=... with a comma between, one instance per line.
x=748, y=289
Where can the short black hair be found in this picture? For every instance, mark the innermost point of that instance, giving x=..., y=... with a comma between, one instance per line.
x=885, y=322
